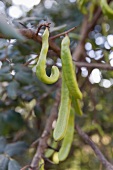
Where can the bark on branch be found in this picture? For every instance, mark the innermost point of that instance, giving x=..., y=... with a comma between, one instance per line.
x=98, y=153
x=94, y=65
x=86, y=28
x=30, y=34
x=45, y=135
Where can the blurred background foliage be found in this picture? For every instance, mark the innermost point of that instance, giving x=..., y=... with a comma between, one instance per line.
x=25, y=102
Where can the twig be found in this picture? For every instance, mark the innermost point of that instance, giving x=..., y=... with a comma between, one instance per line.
x=28, y=62
x=29, y=19
x=19, y=135
x=23, y=24
x=46, y=94
x=86, y=28
x=98, y=153
x=30, y=34
x=35, y=143
x=45, y=135
x=25, y=167
x=42, y=25
x=48, y=160
x=50, y=147
x=63, y=33
x=94, y=65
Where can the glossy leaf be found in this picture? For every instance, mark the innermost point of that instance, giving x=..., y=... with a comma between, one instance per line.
x=23, y=77
x=12, y=89
x=10, y=121
x=8, y=30
x=16, y=148
x=3, y=162
x=13, y=165
x=5, y=77
x=2, y=144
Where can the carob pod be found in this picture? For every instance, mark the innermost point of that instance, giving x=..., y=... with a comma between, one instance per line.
x=63, y=114
x=68, y=69
x=68, y=139
x=41, y=65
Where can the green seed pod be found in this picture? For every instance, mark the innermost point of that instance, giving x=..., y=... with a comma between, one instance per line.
x=68, y=69
x=76, y=106
x=106, y=9
x=91, y=10
x=67, y=141
x=41, y=65
x=82, y=7
x=64, y=112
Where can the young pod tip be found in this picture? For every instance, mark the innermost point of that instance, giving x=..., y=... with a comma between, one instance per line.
x=46, y=33
x=66, y=40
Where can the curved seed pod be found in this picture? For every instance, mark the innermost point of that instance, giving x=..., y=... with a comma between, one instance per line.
x=106, y=9
x=67, y=141
x=76, y=106
x=63, y=114
x=41, y=65
x=68, y=69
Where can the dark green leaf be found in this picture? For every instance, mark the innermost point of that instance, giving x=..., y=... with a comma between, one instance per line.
x=23, y=77
x=5, y=69
x=19, y=67
x=3, y=143
x=5, y=77
x=16, y=148
x=9, y=30
x=3, y=162
x=2, y=104
x=13, y=165
x=24, y=48
x=10, y=121
x=12, y=89
x=37, y=111
x=2, y=54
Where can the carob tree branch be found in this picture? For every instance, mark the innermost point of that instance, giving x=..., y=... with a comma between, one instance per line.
x=30, y=34
x=84, y=64
x=98, y=153
x=86, y=28
x=79, y=50
x=94, y=65
x=42, y=145
x=63, y=33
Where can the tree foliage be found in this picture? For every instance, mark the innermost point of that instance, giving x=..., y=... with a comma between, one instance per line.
x=26, y=103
